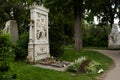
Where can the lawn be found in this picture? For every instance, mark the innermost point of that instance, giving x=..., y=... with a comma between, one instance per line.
x=28, y=72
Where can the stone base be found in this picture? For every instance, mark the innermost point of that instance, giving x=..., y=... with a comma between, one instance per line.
x=37, y=52
x=114, y=46
x=54, y=64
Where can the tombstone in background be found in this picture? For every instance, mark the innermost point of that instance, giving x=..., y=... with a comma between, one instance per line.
x=114, y=36
x=12, y=29
x=38, y=46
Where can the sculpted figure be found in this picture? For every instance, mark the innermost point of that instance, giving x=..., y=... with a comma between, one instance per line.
x=114, y=37
x=40, y=30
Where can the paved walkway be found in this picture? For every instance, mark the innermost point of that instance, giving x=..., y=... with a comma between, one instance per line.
x=114, y=73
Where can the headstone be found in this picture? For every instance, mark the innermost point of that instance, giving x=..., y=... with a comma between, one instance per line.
x=114, y=37
x=38, y=46
x=12, y=29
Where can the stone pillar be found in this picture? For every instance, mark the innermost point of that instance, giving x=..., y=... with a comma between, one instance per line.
x=12, y=29
x=31, y=32
x=38, y=47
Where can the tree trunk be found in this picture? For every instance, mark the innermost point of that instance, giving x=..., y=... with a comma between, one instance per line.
x=78, y=23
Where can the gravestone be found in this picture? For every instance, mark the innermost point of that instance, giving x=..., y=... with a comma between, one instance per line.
x=12, y=29
x=38, y=46
x=114, y=37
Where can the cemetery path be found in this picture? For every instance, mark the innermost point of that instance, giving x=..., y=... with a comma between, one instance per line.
x=114, y=73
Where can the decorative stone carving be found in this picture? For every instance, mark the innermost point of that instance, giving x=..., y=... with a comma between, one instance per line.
x=12, y=29
x=41, y=31
x=38, y=46
x=114, y=37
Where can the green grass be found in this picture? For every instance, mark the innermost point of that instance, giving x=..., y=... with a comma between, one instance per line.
x=103, y=48
x=71, y=46
x=71, y=55
x=28, y=72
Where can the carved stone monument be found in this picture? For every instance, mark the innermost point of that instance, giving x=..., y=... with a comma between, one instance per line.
x=38, y=46
x=114, y=36
x=12, y=29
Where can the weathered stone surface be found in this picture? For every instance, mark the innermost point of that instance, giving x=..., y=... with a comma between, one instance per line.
x=114, y=37
x=12, y=29
x=38, y=46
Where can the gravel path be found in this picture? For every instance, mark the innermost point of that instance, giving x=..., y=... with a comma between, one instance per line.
x=114, y=73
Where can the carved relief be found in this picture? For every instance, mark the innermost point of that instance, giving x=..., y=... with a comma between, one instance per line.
x=38, y=38
x=42, y=51
x=31, y=23
x=41, y=27
x=30, y=50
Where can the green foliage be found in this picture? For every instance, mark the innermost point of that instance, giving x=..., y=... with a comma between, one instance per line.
x=56, y=31
x=94, y=67
x=6, y=52
x=73, y=68
x=71, y=54
x=56, y=39
x=16, y=10
x=76, y=66
x=8, y=76
x=96, y=36
x=105, y=10
x=6, y=56
x=21, y=47
x=84, y=65
x=28, y=72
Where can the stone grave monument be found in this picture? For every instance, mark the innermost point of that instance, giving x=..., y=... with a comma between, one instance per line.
x=114, y=36
x=38, y=46
x=12, y=29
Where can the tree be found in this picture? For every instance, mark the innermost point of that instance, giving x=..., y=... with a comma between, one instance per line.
x=56, y=30
x=105, y=10
x=16, y=10
x=78, y=10
x=69, y=9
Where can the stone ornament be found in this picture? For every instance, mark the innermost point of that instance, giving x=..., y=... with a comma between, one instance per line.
x=38, y=46
x=41, y=31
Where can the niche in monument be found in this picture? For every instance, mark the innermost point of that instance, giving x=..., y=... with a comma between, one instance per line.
x=38, y=46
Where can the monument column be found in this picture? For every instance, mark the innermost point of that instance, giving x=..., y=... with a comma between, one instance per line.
x=30, y=32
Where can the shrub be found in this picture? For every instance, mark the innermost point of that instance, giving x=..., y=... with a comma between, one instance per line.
x=56, y=39
x=94, y=67
x=84, y=65
x=21, y=47
x=96, y=36
x=76, y=66
x=6, y=56
x=6, y=52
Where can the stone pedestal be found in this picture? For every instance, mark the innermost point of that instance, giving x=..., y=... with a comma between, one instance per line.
x=38, y=46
